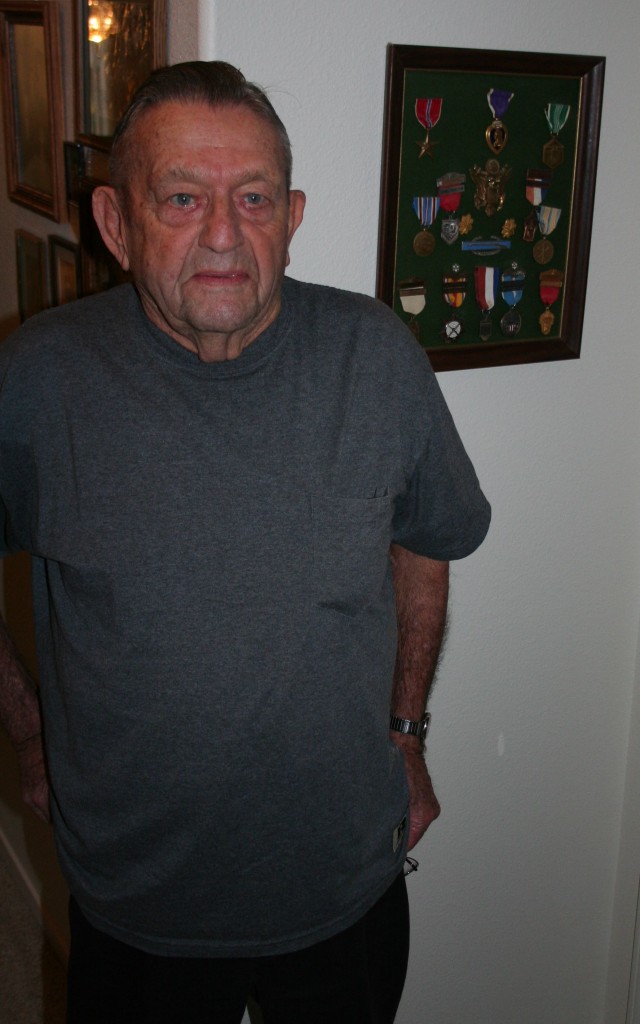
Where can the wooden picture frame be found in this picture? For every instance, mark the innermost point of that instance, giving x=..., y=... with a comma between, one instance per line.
x=64, y=270
x=31, y=269
x=466, y=135
x=118, y=42
x=32, y=105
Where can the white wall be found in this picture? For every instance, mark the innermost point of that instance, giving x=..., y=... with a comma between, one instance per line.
x=513, y=906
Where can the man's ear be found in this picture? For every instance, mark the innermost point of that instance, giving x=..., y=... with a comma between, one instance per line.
x=109, y=216
x=297, y=200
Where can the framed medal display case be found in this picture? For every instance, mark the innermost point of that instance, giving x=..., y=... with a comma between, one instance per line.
x=488, y=183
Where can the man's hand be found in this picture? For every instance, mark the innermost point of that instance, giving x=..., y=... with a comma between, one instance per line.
x=33, y=773
x=423, y=803
x=20, y=716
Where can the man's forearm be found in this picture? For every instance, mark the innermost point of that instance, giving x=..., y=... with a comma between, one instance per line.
x=422, y=590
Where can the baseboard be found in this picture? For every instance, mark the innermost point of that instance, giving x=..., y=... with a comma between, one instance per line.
x=49, y=925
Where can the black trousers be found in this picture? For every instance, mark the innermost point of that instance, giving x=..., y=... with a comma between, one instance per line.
x=355, y=977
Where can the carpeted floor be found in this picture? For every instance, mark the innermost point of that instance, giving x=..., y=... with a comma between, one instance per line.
x=32, y=978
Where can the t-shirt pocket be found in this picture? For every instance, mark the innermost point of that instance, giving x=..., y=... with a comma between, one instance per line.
x=351, y=538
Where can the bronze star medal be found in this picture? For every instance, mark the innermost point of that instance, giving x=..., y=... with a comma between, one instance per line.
x=428, y=112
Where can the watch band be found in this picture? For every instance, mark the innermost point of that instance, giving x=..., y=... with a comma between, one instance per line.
x=411, y=728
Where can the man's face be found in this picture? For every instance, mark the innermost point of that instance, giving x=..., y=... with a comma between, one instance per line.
x=206, y=224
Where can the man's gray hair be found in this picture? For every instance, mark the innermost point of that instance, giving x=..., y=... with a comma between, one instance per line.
x=215, y=83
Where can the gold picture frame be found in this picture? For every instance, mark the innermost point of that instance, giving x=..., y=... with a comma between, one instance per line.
x=64, y=270
x=32, y=105
x=31, y=269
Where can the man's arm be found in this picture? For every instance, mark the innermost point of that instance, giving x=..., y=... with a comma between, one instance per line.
x=20, y=715
x=422, y=589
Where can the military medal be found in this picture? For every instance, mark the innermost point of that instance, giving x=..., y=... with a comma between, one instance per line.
x=548, y=217
x=486, y=288
x=466, y=224
x=490, y=183
x=485, y=246
x=536, y=188
x=426, y=210
x=512, y=288
x=537, y=185
x=454, y=291
x=497, y=134
x=450, y=189
x=413, y=300
x=553, y=150
x=551, y=282
x=428, y=113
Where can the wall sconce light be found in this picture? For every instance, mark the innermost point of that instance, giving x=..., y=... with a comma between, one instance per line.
x=100, y=21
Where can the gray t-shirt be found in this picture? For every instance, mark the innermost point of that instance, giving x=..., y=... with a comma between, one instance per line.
x=214, y=607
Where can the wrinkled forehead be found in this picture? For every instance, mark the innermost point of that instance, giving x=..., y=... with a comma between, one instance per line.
x=176, y=131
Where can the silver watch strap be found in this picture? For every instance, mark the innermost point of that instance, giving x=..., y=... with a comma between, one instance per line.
x=409, y=727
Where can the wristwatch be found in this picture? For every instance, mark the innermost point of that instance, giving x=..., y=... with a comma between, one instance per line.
x=411, y=728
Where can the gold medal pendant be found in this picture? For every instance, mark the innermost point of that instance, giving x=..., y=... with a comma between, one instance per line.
x=424, y=243
x=553, y=153
x=557, y=115
x=546, y=321
x=543, y=251
x=497, y=136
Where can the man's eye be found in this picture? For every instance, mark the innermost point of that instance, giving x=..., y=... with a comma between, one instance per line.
x=254, y=198
x=181, y=199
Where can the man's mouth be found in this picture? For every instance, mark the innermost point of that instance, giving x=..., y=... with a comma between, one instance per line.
x=214, y=277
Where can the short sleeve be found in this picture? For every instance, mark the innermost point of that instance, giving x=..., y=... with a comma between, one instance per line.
x=443, y=513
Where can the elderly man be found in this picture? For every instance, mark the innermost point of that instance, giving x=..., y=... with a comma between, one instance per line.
x=241, y=494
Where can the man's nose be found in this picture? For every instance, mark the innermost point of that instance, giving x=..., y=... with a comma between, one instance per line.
x=221, y=226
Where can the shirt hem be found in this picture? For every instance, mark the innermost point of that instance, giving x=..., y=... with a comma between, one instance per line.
x=251, y=948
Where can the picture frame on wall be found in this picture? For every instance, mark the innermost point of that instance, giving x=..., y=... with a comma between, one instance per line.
x=64, y=270
x=32, y=105
x=32, y=280
x=118, y=43
x=488, y=182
